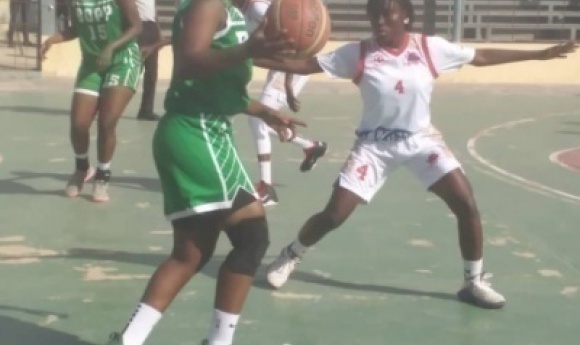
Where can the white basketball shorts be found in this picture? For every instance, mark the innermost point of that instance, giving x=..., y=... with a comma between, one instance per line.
x=371, y=162
x=274, y=92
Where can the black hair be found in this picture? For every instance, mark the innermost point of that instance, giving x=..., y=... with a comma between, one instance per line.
x=407, y=5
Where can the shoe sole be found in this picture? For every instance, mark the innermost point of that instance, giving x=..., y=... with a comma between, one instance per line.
x=99, y=200
x=90, y=175
x=304, y=167
x=466, y=297
x=269, y=203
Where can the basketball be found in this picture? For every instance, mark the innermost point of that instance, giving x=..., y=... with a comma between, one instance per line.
x=306, y=21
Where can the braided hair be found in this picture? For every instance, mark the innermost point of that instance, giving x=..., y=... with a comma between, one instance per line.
x=378, y=5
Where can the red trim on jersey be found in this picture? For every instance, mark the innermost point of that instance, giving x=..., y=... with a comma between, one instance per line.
x=360, y=68
x=397, y=51
x=425, y=48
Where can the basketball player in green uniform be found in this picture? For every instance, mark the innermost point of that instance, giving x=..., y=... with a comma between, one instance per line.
x=205, y=187
x=106, y=82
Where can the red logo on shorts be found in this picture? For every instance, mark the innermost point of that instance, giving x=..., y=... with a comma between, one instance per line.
x=432, y=159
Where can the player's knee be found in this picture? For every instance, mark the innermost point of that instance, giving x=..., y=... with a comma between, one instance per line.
x=250, y=241
x=107, y=125
x=464, y=207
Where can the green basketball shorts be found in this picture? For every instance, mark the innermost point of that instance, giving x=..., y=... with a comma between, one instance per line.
x=125, y=70
x=198, y=164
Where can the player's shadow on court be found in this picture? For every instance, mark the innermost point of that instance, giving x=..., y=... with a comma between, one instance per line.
x=18, y=332
x=29, y=109
x=17, y=184
x=212, y=269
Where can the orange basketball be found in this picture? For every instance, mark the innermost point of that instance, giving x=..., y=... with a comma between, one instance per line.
x=306, y=21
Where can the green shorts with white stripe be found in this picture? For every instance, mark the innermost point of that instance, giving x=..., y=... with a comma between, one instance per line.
x=198, y=164
x=125, y=70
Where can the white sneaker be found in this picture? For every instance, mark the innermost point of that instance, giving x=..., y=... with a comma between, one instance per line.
x=76, y=182
x=281, y=268
x=100, y=191
x=479, y=293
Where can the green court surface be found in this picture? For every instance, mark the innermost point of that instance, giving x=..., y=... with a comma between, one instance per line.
x=71, y=271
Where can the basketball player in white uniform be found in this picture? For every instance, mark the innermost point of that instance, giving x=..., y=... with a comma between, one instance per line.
x=274, y=95
x=150, y=35
x=395, y=71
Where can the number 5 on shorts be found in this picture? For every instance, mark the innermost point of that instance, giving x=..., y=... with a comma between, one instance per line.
x=113, y=80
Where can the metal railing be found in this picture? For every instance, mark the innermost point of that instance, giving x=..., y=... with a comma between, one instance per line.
x=20, y=24
x=472, y=20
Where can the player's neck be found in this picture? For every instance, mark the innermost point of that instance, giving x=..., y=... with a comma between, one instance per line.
x=396, y=44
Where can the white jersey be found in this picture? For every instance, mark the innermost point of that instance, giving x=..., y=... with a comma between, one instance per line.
x=395, y=85
x=147, y=11
x=254, y=12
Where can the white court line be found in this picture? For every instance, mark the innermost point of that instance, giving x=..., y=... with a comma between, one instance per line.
x=554, y=158
x=519, y=180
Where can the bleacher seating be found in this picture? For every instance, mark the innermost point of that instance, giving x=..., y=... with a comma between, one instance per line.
x=483, y=20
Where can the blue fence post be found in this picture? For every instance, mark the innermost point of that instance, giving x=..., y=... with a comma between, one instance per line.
x=457, y=20
x=47, y=17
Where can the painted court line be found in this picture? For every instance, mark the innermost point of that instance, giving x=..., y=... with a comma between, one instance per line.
x=554, y=158
x=519, y=180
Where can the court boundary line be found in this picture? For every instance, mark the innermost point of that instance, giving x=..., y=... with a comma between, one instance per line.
x=515, y=179
x=554, y=158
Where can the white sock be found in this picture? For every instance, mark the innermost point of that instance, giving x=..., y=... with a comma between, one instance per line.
x=266, y=171
x=260, y=132
x=472, y=269
x=104, y=166
x=222, y=328
x=140, y=325
x=304, y=143
x=83, y=156
x=298, y=248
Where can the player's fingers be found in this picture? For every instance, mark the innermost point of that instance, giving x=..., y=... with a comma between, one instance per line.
x=282, y=134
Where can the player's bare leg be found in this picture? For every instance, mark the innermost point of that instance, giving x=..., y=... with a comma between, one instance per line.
x=340, y=206
x=194, y=242
x=83, y=111
x=112, y=104
x=455, y=190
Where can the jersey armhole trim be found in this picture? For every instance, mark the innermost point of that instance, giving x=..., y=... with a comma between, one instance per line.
x=425, y=48
x=361, y=63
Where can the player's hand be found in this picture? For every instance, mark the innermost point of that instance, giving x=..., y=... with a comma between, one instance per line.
x=558, y=51
x=45, y=48
x=272, y=46
x=104, y=59
x=283, y=124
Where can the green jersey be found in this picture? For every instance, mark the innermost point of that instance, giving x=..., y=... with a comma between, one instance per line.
x=98, y=23
x=221, y=93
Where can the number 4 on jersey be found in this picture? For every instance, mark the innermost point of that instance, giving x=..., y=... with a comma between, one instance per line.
x=399, y=87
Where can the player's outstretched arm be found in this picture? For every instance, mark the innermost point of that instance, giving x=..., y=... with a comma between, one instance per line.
x=489, y=57
x=303, y=66
x=283, y=124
